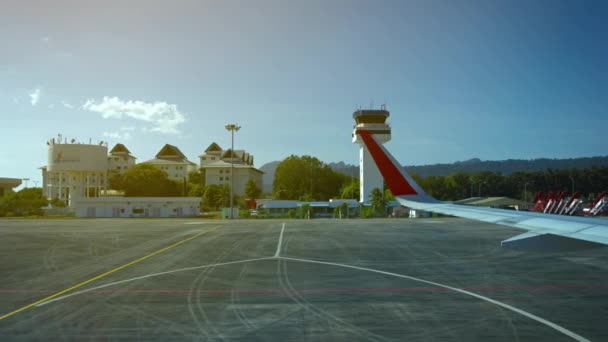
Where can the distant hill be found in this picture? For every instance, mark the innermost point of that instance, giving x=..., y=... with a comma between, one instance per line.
x=505, y=167
x=509, y=166
x=269, y=170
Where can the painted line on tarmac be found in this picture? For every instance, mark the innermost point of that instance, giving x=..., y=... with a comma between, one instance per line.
x=94, y=289
x=472, y=294
x=278, y=252
x=46, y=299
x=337, y=290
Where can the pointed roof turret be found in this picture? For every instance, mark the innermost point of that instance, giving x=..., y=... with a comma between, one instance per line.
x=213, y=148
x=120, y=149
x=170, y=152
x=229, y=154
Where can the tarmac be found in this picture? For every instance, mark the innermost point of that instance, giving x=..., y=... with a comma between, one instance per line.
x=439, y=279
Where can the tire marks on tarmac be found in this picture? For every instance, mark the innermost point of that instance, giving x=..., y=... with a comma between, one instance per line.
x=324, y=315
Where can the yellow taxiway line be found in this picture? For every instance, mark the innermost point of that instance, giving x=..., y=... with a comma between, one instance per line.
x=105, y=274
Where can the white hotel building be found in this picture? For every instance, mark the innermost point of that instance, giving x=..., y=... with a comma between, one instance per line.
x=220, y=166
x=78, y=174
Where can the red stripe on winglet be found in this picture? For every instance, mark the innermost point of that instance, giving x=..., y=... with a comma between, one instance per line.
x=392, y=176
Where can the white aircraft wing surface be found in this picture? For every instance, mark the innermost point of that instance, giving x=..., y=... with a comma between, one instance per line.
x=545, y=232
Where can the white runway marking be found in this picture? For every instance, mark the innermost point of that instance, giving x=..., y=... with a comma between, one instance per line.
x=490, y=300
x=149, y=276
x=276, y=255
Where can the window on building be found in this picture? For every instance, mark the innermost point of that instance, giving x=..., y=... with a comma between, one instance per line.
x=221, y=171
x=204, y=158
x=227, y=178
x=118, y=168
x=221, y=178
x=212, y=158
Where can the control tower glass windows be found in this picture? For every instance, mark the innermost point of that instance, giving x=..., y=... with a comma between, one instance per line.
x=371, y=119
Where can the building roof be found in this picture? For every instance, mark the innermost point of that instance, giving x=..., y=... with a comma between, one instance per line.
x=222, y=164
x=290, y=204
x=229, y=154
x=492, y=201
x=168, y=161
x=120, y=148
x=170, y=152
x=9, y=182
x=213, y=148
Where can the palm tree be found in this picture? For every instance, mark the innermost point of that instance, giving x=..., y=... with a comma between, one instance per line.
x=378, y=201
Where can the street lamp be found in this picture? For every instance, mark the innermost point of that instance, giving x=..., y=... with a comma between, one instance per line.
x=479, y=189
x=525, y=191
x=471, y=183
x=232, y=128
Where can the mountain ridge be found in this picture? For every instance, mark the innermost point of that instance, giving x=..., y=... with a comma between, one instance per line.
x=506, y=167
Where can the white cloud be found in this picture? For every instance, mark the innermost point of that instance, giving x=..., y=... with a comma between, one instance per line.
x=67, y=105
x=117, y=135
x=35, y=96
x=51, y=106
x=127, y=128
x=164, y=117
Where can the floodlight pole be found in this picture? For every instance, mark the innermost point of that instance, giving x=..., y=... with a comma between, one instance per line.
x=572, y=179
x=232, y=128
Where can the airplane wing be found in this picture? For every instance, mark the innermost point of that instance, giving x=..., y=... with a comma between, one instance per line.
x=545, y=232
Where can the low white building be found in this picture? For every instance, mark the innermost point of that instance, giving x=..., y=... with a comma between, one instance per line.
x=137, y=207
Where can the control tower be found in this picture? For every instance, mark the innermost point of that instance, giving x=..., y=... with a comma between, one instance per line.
x=373, y=121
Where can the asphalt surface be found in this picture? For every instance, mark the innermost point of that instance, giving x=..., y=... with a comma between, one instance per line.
x=379, y=280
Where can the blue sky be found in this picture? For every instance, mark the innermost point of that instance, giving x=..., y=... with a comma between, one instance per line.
x=462, y=79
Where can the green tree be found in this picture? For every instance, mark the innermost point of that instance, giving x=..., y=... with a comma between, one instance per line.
x=210, y=196
x=217, y=196
x=378, y=201
x=304, y=211
x=196, y=183
x=350, y=189
x=56, y=202
x=147, y=180
x=252, y=190
x=296, y=177
x=26, y=202
x=115, y=180
x=341, y=211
